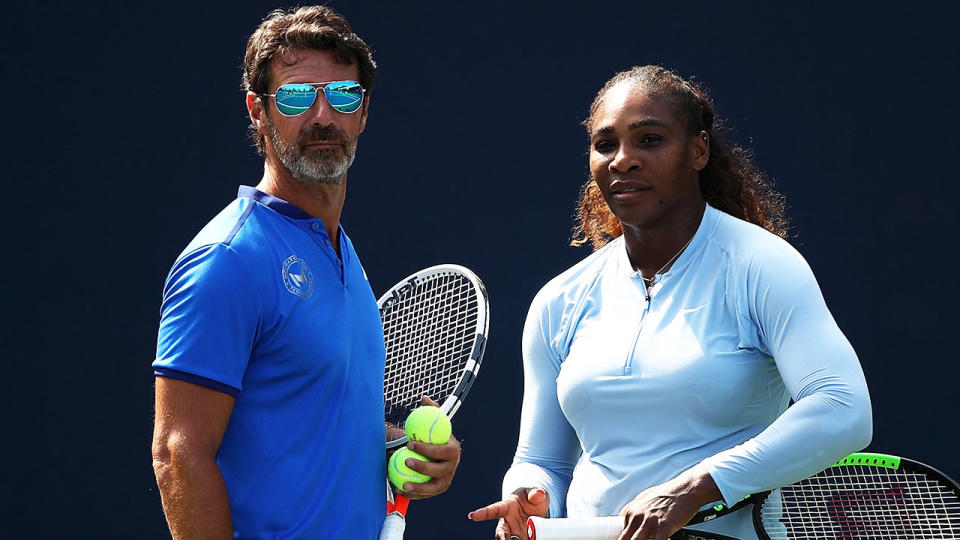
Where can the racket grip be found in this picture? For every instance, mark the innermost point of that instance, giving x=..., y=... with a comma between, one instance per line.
x=393, y=527
x=593, y=528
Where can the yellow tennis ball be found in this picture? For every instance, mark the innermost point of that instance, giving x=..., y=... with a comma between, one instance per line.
x=398, y=471
x=428, y=424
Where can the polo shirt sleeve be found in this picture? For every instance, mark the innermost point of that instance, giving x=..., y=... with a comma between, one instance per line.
x=783, y=314
x=209, y=320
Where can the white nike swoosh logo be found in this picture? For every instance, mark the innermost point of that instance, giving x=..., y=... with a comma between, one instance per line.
x=691, y=310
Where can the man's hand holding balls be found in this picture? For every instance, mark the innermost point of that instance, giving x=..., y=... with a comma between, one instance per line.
x=425, y=467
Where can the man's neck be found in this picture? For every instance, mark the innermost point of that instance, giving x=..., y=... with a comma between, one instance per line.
x=324, y=201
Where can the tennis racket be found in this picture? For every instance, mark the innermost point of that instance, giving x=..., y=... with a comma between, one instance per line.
x=863, y=496
x=435, y=325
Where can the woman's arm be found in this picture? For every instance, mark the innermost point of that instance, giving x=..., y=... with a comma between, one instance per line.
x=548, y=448
x=785, y=315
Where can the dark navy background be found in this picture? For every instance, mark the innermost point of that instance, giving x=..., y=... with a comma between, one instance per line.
x=125, y=131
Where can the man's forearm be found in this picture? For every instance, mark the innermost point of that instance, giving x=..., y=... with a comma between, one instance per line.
x=194, y=499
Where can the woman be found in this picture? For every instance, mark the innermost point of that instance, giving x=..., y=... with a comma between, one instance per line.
x=659, y=369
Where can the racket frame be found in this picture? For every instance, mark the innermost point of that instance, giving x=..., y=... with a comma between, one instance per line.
x=886, y=461
x=402, y=289
x=397, y=504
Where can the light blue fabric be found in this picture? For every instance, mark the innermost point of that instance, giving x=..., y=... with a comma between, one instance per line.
x=259, y=306
x=621, y=394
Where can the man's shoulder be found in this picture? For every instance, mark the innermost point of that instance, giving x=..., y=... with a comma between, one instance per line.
x=232, y=237
x=225, y=226
x=243, y=226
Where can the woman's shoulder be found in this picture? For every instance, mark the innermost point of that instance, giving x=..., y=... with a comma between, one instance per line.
x=581, y=277
x=749, y=245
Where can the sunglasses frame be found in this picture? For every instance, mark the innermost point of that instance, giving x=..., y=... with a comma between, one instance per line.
x=317, y=87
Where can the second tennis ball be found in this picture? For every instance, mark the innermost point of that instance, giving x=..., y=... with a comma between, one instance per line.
x=398, y=471
x=429, y=425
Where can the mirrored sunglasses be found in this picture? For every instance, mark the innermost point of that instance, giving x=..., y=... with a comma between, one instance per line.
x=296, y=98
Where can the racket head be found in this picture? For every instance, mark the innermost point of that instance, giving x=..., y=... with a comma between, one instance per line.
x=435, y=327
x=864, y=495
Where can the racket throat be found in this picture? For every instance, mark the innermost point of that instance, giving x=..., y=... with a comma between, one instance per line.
x=399, y=505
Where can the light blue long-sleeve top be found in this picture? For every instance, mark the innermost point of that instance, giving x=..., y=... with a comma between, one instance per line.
x=622, y=393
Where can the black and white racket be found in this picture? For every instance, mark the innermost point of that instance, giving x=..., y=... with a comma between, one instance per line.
x=863, y=496
x=435, y=325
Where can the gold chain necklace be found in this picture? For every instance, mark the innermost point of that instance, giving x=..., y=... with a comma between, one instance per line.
x=649, y=281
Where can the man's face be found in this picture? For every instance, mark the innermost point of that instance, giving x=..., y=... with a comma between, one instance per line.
x=319, y=145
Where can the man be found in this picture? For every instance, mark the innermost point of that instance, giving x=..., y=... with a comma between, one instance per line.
x=269, y=387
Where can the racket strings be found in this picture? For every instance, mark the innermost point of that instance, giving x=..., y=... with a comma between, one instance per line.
x=863, y=502
x=429, y=335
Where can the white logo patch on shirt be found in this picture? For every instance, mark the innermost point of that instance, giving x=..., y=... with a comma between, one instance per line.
x=297, y=276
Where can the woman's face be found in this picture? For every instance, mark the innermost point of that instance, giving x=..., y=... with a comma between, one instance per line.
x=642, y=157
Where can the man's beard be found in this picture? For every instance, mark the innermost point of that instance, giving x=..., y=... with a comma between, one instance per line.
x=319, y=165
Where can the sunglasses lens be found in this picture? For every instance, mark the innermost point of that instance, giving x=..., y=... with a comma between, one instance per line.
x=344, y=96
x=294, y=99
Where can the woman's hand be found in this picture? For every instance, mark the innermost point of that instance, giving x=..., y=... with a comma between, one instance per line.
x=514, y=511
x=662, y=510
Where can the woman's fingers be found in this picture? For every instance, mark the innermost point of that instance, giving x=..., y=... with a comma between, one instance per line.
x=496, y=510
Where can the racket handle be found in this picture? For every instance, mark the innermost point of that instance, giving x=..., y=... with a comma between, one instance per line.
x=396, y=520
x=592, y=528
x=598, y=528
x=393, y=526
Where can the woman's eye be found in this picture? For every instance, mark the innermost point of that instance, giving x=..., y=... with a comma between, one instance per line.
x=603, y=146
x=650, y=139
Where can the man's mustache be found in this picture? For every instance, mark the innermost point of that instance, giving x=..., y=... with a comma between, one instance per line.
x=323, y=134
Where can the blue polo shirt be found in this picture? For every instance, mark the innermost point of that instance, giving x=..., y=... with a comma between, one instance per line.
x=259, y=306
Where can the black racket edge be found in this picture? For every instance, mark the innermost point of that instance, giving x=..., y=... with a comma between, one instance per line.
x=690, y=534
x=858, y=458
x=933, y=472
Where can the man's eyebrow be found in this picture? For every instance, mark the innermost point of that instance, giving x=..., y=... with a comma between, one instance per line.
x=632, y=126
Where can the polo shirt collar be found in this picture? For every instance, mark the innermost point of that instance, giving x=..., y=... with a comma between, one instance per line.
x=278, y=205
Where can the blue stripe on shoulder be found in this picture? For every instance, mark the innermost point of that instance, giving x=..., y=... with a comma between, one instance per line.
x=196, y=379
x=240, y=221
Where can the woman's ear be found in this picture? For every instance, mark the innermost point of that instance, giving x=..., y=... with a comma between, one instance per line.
x=701, y=150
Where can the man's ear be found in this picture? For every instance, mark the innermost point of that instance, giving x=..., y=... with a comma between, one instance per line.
x=255, y=110
x=364, y=111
